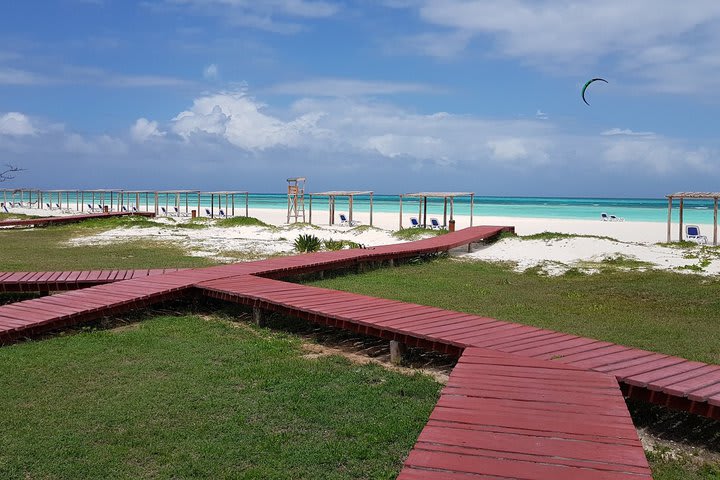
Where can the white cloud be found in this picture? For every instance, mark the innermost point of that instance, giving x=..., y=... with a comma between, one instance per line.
x=540, y=115
x=16, y=124
x=658, y=155
x=143, y=130
x=239, y=119
x=419, y=147
x=93, y=146
x=367, y=144
x=340, y=87
x=210, y=72
x=261, y=15
x=627, y=132
x=12, y=76
x=670, y=47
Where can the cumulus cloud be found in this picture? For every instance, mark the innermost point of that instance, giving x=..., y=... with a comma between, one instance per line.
x=143, y=130
x=366, y=143
x=210, y=72
x=240, y=120
x=93, y=146
x=627, y=132
x=658, y=156
x=16, y=124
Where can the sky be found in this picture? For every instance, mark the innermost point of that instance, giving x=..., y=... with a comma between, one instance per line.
x=386, y=95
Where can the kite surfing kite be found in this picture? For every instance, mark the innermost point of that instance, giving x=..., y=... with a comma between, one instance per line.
x=586, y=86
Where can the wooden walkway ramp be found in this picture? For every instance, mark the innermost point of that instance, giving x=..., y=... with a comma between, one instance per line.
x=59, y=281
x=507, y=417
x=41, y=221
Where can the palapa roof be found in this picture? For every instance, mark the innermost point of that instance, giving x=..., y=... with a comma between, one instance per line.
x=694, y=195
x=177, y=191
x=438, y=194
x=344, y=193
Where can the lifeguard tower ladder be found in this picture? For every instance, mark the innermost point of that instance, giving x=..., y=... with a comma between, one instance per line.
x=296, y=198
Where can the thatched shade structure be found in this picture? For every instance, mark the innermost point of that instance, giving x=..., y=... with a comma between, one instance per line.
x=423, y=197
x=332, y=195
x=695, y=196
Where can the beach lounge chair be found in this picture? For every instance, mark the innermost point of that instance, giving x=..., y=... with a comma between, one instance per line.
x=604, y=217
x=414, y=222
x=164, y=212
x=48, y=206
x=346, y=222
x=435, y=225
x=5, y=208
x=124, y=209
x=692, y=233
x=134, y=209
x=207, y=212
x=221, y=213
x=613, y=218
x=179, y=213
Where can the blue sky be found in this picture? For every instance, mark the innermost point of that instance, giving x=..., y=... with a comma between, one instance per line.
x=388, y=95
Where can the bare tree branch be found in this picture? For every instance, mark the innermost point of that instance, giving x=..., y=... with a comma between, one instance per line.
x=10, y=172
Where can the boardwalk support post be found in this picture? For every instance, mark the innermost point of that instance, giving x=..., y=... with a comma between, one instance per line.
x=259, y=317
x=397, y=351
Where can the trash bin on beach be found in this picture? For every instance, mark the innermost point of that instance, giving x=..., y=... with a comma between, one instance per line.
x=193, y=213
x=451, y=225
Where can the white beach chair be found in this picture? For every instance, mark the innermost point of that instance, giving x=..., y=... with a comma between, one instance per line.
x=435, y=225
x=5, y=208
x=604, y=217
x=692, y=234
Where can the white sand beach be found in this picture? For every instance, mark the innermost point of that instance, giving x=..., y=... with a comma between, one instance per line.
x=625, y=240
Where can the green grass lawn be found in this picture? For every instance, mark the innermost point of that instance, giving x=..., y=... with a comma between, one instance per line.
x=665, y=312
x=46, y=249
x=187, y=397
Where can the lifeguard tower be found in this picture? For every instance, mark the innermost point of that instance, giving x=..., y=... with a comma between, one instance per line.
x=296, y=198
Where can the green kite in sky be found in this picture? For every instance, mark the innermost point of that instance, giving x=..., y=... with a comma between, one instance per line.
x=586, y=86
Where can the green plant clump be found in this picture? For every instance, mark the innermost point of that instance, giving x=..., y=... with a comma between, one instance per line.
x=307, y=243
x=241, y=222
x=339, y=244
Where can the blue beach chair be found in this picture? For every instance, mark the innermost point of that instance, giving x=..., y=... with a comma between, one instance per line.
x=346, y=222
x=414, y=222
x=435, y=225
x=692, y=233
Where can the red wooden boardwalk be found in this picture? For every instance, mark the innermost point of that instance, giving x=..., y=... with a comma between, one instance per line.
x=58, y=281
x=523, y=402
x=503, y=416
x=67, y=219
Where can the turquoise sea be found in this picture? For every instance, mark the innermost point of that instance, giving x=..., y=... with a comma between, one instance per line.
x=631, y=209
